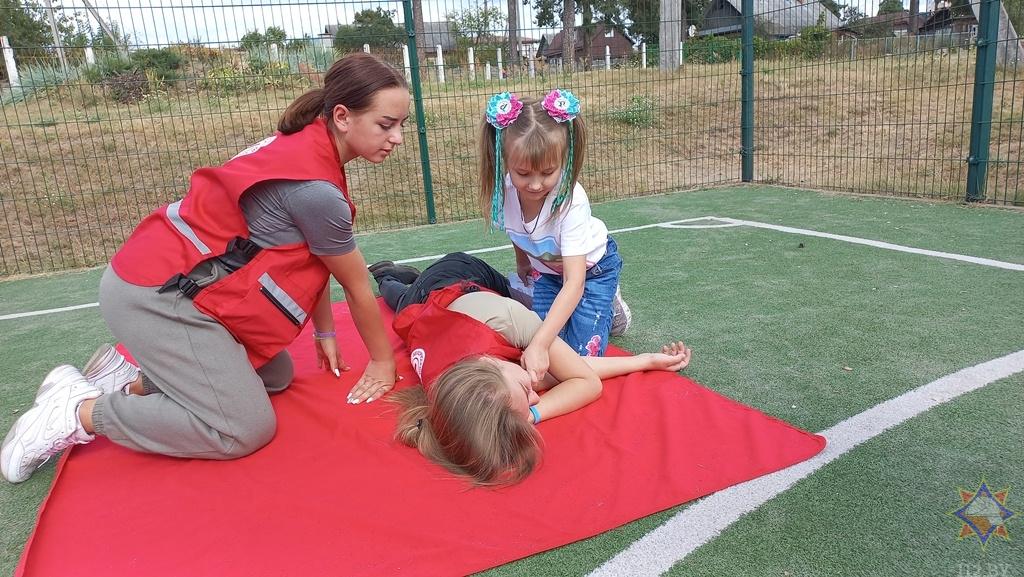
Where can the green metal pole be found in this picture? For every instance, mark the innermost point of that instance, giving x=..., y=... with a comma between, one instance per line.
x=417, y=98
x=747, y=90
x=981, y=110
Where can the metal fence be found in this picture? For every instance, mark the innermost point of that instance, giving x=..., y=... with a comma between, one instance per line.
x=105, y=123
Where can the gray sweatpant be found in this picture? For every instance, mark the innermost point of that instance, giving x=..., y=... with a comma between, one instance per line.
x=204, y=399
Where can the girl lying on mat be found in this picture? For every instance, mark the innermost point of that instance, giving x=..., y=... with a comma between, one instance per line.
x=476, y=410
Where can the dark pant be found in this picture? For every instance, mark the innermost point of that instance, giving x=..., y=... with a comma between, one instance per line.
x=450, y=269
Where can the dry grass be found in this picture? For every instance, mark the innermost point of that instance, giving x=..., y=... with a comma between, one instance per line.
x=82, y=171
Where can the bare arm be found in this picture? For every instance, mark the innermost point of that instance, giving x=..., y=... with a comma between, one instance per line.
x=574, y=274
x=379, y=377
x=578, y=385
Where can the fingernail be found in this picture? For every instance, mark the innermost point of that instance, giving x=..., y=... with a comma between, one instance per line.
x=347, y=369
x=337, y=373
x=355, y=401
x=370, y=400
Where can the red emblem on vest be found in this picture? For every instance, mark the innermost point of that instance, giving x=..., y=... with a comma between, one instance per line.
x=438, y=338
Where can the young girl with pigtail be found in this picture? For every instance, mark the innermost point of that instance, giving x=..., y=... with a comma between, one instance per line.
x=531, y=153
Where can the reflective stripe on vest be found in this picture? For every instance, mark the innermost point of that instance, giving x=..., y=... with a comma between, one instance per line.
x=186, y=231
x=283, y=299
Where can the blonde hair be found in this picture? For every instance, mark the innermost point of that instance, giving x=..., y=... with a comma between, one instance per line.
x=467, y=425
x=535, y=138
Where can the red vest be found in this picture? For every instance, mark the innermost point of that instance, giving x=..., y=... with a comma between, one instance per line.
x=438, y=338
x=266, y=302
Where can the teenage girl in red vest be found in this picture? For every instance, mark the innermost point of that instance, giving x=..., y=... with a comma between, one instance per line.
x=476, y=411
x=208, y=291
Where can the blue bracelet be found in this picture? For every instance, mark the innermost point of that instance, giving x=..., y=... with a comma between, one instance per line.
x=323, y=335
x=535, y=413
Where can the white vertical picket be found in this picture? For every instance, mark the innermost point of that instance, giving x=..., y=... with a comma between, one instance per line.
x=12, y=67
x=440, y=65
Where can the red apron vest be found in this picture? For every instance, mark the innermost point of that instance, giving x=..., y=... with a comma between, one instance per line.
x=438, y=338
x=265, y=303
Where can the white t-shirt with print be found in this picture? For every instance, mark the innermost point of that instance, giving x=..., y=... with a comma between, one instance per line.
x=546, y=240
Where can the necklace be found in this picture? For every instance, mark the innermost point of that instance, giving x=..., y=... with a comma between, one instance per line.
x=536, y=220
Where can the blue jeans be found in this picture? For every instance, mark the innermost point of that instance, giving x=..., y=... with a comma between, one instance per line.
x=587, y=329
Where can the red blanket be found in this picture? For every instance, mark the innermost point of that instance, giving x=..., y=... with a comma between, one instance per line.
x=333, y=494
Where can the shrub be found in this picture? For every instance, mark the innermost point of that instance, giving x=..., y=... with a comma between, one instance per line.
x=639, y=113
x=712, y=50
x=163, y=62
x=128, y=87
x=38, y=80
x=107, y=65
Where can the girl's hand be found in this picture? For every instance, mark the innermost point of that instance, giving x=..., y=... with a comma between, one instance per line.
x=535, y=361
x=674, y=356
x=327, y=356
x=378, y=378
x=525, y=271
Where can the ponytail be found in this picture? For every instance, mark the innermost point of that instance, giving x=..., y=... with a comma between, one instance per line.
x=488, y=164
x=302, y=111
x=352, y=81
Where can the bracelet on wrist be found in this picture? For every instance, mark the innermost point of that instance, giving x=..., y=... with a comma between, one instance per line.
x=319, y=336
x=535, y=413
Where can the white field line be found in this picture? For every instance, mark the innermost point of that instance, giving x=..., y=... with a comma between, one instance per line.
x=670, y=543
x=47, y=311
x=671, y=224
x=878, y=244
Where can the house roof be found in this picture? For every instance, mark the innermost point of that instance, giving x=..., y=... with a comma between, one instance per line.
x=896, y=19
x=943, y=18
x=780, y=17
x=619, y=43
x=435, y=33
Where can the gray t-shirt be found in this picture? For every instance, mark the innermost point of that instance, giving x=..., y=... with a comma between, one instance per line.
x=283, y=212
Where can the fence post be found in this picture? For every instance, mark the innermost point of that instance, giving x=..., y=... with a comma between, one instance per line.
x=12, y=66
x=487, y=71
x=981, y=109
x=405, y=61
x=607, y=57
x=366, y=48
x=440, y=64
x=421, y=122
x=501, y=70
x=747, y=92
x=533, y=65
x=472, y=63
x=90, y=56
x=57, y=42
x=275, y=52
x=643, y=56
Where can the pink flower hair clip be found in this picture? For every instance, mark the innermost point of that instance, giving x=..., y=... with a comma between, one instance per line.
x=561, y=105
x=503, y=109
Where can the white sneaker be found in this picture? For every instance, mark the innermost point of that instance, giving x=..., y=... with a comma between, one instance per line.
x=50, y=426
x=622, y=317
x=109, y=371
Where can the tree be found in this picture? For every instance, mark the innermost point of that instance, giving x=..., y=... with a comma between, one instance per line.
x=474, y=26
x=513, y=31
x=275, y=35
x=24, y=25
x=372, y=26
x=890, y=7
x=640, y=18
x=27, y=27
x=251, y=40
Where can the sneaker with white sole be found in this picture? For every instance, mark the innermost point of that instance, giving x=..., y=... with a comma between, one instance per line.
x=50, y=426
x=622, y=317
x=109, y=371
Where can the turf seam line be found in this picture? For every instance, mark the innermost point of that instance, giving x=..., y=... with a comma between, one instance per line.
x=656, y=552
x=878, y=244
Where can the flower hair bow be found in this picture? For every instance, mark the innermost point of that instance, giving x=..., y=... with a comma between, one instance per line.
x=563, y=106
x=502, y=110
